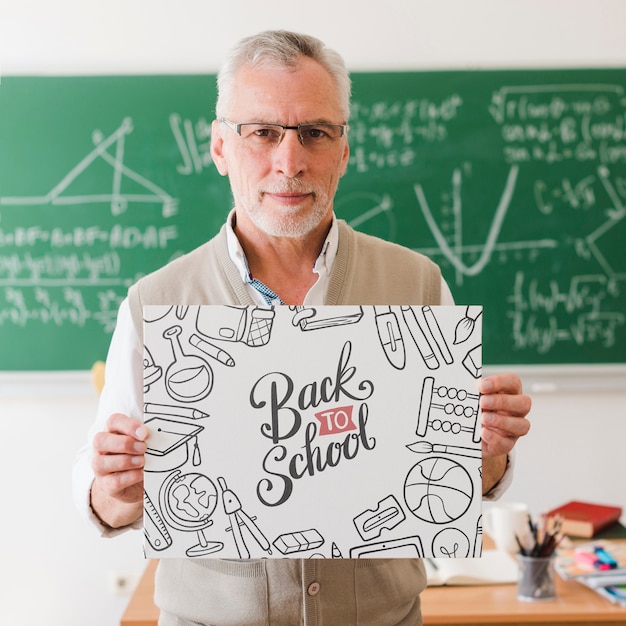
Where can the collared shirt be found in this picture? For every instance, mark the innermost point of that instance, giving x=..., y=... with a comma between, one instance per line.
x=123, y=390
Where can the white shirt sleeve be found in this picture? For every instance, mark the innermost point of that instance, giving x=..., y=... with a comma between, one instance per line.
x=122, y=393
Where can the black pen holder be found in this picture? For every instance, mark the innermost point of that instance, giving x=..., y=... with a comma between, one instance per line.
x=536, y=578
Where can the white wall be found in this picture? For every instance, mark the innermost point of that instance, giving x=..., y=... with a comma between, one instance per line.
x=53, y=569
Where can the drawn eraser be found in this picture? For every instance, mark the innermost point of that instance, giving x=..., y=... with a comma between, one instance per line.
x=473, y=361
x=298, y=541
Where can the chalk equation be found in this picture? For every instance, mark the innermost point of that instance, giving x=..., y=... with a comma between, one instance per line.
x=559, y=159
x=513, y=182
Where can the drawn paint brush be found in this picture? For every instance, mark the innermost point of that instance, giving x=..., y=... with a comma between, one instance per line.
x=426, y=447
x=466, y=325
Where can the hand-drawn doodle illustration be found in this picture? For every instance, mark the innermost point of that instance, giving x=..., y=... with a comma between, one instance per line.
x=212, y=350
x=390, y=336
x=335, y=552
x=188, y=502
x=478, y=539
x=472, y=361
x=251, y=326
x=404, y=546
x=387, y=514
x=466, y=325
x=314, y=318
x=426, y=447
x=154, y=314
x=238, y=518
x=438, y=490
x=168, y=444
x=189, y=377
x=311, y=457
x=154, y=528
x=436, y=334
x=151, y=372
x=451, y=543
x=181, y=311
x=185, y=412
x=420, y=338
x=290, y=543
x=433, y=398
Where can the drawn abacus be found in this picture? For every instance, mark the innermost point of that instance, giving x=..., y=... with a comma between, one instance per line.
x=450, y=401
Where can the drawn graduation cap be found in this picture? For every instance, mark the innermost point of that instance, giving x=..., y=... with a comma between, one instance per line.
x=169, y=444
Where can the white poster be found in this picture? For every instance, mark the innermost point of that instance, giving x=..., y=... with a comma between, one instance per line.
x=312, y=432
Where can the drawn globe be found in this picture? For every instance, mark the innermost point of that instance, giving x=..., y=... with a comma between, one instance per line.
x=438, y=490
x=188, y=500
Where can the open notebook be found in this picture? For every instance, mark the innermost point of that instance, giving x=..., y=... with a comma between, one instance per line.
x=494, y=566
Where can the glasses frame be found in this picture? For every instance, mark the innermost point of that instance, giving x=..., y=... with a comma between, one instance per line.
x=237, y=128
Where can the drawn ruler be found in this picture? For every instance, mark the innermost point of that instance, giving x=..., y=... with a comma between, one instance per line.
x=154, y=528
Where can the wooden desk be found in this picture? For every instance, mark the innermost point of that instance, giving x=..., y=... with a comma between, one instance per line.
x=141, y=610
x=455, y=606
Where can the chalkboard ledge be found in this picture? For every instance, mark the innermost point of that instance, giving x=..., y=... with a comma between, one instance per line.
x=541, y=379
x=537, y=379
x=75, y=384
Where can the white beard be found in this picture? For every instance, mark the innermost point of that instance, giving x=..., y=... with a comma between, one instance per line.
x=289, y=221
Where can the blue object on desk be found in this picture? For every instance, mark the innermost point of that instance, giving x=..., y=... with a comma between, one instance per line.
x=605, y=558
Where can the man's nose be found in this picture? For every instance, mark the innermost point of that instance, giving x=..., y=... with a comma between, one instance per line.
x=290, y=154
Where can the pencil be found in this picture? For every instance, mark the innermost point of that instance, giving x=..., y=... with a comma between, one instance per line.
x=213, y=351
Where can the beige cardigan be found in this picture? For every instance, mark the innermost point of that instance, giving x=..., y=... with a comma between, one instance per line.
x=341, y=592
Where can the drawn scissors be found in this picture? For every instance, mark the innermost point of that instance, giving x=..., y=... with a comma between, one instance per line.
x=238, y=517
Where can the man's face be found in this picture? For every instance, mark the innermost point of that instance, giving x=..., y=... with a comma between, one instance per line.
x=285, y=190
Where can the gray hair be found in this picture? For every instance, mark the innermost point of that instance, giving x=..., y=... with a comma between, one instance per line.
x=281, y=49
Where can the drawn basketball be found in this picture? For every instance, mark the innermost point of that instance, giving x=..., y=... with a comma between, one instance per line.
x=438, y=490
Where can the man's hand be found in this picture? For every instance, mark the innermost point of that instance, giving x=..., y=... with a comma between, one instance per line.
x=504, y=408
x=118, y=459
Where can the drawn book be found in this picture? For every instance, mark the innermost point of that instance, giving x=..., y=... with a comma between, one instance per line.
x=494, y=566
x=584, y=519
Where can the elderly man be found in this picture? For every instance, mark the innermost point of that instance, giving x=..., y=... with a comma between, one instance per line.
x=281, y=138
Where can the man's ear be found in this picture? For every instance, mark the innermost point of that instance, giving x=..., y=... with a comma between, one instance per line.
x=217, y=148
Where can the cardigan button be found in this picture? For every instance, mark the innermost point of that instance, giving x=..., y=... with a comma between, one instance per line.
x=313, y=589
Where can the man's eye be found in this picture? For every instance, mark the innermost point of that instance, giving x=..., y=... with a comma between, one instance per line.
x=314, y=133
x=267, y=133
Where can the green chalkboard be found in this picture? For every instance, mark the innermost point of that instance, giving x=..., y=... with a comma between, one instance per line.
x=513, y=181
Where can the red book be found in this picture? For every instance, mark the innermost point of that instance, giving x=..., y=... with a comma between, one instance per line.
x=584, y=519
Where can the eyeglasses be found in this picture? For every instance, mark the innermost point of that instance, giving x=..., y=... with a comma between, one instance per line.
x=317, y=136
